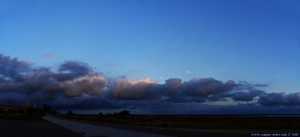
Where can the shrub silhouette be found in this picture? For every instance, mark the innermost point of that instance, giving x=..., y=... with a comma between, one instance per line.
x=123, y=113
x=70, y=113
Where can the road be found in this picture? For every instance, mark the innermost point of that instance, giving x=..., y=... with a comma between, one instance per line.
x=92, y=130
x=97, y=131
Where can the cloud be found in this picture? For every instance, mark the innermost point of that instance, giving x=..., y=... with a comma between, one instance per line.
x=206, y=86
x=75, y=85
x=261, y=85
x=245, y=85
x=91, y=84
x=48, y=55
x=22, y=83
x=12, y=68
x=133, y=89
x=280, y=99
x=75, y=68
x=188, y=71
x=172, y=86
x=246, y=96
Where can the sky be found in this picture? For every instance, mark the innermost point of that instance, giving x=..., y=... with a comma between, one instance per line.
x=132, y=53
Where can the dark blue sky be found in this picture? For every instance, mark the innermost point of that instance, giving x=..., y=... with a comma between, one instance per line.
x=257, y=41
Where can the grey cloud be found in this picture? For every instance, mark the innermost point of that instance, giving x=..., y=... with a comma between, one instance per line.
x=91, y=84
x=22, y=83
x=133, y=89
x=75, y=68
x=76, y=85
x=12, y=68
x=246, y=96
x=205, y=87
x=195, y=90
x=280, y=99
x=261, y=85
x=245, y=85
x=172, y=86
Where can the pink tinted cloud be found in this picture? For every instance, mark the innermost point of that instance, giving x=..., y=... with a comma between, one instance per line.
x=48, y=55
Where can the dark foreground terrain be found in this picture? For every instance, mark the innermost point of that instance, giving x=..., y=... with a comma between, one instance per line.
x=31, y=126
x=228, y=122
x=199, y=125
x=168, y=125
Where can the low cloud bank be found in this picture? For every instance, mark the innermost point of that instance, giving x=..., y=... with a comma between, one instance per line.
x=76, y=85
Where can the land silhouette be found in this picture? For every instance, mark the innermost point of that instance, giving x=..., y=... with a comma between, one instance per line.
x=29, y=120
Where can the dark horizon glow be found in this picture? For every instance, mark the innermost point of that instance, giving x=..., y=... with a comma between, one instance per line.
x=152, y=56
